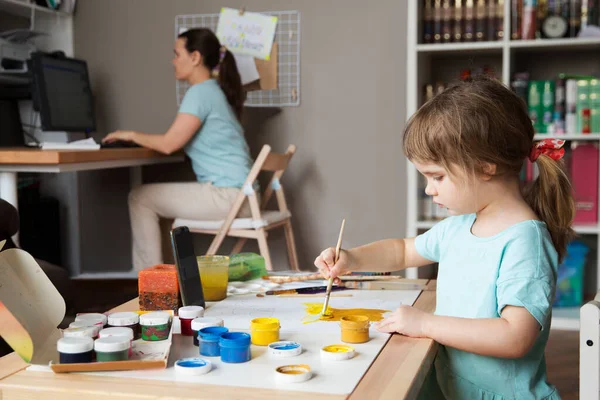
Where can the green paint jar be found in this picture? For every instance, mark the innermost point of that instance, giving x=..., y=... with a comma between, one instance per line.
x=155, y=325
x=112, y=348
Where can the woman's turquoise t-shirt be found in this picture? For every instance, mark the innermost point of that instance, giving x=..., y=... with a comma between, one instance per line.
x=218, y=151
x=477, y=278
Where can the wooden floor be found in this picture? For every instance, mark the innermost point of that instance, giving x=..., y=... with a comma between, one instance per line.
x=562, y=361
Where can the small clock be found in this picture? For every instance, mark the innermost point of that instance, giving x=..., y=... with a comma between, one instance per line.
x=554, y=26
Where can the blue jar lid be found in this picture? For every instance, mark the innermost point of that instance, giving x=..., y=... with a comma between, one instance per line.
x=212, y=333
x=235, y=339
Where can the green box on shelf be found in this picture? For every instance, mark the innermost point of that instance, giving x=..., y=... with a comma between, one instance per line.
x=246, y=266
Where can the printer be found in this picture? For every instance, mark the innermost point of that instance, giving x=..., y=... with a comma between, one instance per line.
x=14, y=56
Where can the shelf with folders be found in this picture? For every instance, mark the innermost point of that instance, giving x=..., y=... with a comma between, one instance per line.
x=433, y=66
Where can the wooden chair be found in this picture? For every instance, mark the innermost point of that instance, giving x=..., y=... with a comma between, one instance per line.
x=262, y=220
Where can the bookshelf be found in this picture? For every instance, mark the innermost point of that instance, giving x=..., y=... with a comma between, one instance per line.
x=543, y=58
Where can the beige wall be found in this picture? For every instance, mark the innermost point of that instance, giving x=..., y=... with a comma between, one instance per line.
x=349, y=162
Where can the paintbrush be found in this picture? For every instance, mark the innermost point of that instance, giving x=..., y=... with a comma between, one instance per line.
x=330, y=283
x=307, y=290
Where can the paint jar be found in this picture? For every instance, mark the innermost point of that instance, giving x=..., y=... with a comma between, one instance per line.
x=264, y=331
x=355, y=328
x=208, y=339
x=186, y=315
x=112, y=348
x=127, y=319
x=75, y=349
x=95, y=318
x=204, y=322
x=121, y=331
x=214, y=274
x=84, y=331
x=155, y=325
x=86, y=324
x=235, y=347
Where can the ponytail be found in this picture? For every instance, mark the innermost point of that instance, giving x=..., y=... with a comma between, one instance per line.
x=550, y=197
x=220, y=62
x=229, y=79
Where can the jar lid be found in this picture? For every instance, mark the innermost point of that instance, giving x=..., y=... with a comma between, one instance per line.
x=97, y=318
x=155, y=318
x=74, y=345
x=212, y=333
x=293, y=373
x=117, y=331
x=264, y=324
x=192, y=366
x=111, y=344
x=190, y=312
x=123, y=318
x=285, y=349
x=86, y=324
x=337, y=352
x=84, y=331
x=203, y=322
x=234, y=339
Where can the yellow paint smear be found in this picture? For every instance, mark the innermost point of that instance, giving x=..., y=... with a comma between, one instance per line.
x=313, y=311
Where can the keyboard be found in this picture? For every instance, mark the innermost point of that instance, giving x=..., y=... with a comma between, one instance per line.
x=119, y=144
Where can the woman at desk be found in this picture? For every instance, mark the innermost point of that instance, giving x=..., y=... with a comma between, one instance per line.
x=208, y=128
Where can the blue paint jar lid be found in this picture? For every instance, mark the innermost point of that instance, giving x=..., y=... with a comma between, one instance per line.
x=235, y=340
x=74, y=345
x=285, y=349
x=212, y=333
x=192, y=366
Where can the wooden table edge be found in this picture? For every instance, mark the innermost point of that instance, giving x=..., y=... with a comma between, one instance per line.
x=15, y=380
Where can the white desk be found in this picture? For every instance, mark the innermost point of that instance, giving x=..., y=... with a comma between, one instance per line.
x=15, y=160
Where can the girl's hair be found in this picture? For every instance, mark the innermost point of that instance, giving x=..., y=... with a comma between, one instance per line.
x=481, y=122
x=222, y=63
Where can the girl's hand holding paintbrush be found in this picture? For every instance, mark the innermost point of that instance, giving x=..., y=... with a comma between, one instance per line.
x=329, y=268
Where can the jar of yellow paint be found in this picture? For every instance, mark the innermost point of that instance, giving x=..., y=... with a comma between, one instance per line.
x=214, y=274
x=264, y=331
x=355, y=328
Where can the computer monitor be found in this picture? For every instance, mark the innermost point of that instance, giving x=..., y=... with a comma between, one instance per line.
x=62, y=93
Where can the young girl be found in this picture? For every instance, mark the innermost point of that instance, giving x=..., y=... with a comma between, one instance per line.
x=498, y=252
x=208, y=128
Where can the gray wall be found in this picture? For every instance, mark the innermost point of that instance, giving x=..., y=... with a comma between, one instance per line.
x=349, y=162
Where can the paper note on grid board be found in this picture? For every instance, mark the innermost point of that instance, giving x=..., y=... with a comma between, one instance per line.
x=246, y=32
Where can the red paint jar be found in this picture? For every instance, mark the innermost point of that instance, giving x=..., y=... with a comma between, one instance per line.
x=186, y=315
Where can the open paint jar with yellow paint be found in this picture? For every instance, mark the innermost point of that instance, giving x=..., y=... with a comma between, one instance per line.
x=355, y=328
x=264, y=331
x=214, y=274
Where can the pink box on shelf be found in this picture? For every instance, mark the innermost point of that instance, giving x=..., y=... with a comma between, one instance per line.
x=584, y=177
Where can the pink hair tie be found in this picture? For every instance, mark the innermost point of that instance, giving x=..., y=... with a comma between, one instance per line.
x=549, y=147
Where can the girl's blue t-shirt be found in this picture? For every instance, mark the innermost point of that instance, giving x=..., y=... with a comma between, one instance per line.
x=477, y=278
x=218, y=151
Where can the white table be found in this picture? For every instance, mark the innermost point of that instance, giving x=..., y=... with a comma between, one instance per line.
x=15, y=160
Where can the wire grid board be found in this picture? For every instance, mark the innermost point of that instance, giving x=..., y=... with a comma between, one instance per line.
x=287, y=36
x=330, y=377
